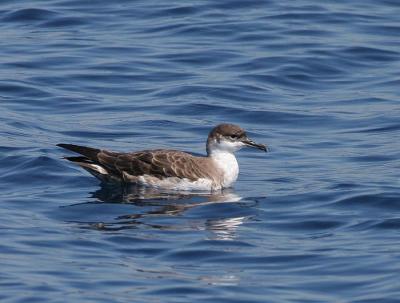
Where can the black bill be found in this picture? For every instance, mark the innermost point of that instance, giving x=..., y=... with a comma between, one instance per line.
x=251, y=143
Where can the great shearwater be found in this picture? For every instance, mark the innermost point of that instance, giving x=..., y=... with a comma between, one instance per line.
x=170, y=169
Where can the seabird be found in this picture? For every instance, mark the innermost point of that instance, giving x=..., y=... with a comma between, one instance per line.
x=170, y=169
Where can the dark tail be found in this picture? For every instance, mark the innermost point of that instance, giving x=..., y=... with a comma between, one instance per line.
x=88, y=152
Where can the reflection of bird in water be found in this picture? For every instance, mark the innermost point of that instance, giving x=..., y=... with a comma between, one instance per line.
x=155, y=205
x=224, y=229
x=141, y=194
x=170, y=202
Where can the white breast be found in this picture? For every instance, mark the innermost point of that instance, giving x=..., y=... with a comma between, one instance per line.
x=227, y=163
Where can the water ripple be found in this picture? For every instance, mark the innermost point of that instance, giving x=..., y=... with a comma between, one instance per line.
x=29, y=15
x=316, y=218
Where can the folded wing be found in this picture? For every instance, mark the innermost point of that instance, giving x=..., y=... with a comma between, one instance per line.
x=108, y=165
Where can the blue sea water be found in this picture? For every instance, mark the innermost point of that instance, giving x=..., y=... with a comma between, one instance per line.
x=315, y=220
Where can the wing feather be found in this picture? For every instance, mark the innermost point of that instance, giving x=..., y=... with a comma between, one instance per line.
x=159, y=163
x=126, y=166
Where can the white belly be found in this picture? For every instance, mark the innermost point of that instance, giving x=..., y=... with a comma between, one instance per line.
x=174, y=183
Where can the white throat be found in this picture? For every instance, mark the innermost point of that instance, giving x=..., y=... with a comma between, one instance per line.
x=227, y=163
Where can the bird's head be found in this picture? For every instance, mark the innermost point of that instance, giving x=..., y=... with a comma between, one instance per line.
x=229, y=138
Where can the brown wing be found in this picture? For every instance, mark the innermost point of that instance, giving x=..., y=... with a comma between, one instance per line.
x=158, y=163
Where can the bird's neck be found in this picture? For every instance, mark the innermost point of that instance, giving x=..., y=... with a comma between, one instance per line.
x=226, y=162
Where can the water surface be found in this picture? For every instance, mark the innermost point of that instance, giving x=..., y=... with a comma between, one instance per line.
x=315, y=220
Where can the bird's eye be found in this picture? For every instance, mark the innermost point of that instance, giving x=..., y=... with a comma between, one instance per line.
x=233, y=136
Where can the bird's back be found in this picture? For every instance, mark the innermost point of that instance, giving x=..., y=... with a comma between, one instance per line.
x=161, y=167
